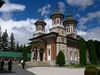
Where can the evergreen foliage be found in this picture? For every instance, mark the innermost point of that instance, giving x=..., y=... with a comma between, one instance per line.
x=82, y=46
x=17, y=47
x=21, y=48
x=12, y=42
x=97, y=48
x=92, y=52
x=4, y=41
x=28, y=48
x=60, y=59
x=91, y=70
x=25, y=54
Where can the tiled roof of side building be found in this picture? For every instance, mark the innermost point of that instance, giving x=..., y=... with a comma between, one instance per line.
x=13, y=54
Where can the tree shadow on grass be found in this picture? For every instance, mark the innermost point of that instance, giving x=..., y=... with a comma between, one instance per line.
x=6, y=71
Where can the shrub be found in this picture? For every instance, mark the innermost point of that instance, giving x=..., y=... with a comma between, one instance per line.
x=90, y=72
x=60, y=59
x=91, y=67
x=98, y=70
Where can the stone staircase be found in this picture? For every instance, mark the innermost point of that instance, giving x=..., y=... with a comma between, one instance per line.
x=38, y=63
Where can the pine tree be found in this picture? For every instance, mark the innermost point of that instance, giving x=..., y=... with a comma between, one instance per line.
x=21, y=48
x=82, y=46
x=60, y=59
x=12, y=42
x=4, y=41
x=92, y=52
x=17, y=47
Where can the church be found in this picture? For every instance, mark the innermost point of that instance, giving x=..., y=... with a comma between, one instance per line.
x=62, y=36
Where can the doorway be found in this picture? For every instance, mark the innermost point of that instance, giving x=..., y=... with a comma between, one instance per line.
x=41, y=56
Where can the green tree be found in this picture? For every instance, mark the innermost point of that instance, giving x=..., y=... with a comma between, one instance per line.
x=99, y=53
x=20, y=49
x=92, y=52
x=28, y=48
x=4, y=41
x=60, y=59
x=25, y=54
x=17, y=47
x=12, y=42
x=97, y=48
x=82, y=47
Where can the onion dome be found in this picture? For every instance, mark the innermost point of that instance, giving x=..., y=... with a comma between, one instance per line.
x=70, y=18
x=40, y=20
x=56, y=13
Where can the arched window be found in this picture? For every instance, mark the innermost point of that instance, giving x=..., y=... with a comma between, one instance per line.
x=39, y=27
x=70, y=55
x=75, y=55
x=57, y=20
x=67, y=29
x=54, y=21
x=49, y=52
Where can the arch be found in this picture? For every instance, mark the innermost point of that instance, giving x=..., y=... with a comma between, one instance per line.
x=41, y=53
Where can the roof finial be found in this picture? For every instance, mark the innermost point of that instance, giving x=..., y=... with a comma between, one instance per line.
x=68, y=10
x=40, y=14
x=56, y=6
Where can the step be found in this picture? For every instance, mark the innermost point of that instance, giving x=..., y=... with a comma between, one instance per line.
x=38, y=63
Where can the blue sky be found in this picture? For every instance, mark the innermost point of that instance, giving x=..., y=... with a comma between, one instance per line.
x=19, y=16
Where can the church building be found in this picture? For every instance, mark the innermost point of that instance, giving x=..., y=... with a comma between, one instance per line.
x=62, y=36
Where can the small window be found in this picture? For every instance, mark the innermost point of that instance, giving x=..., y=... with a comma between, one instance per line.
x=49, y=52
x=54, y=21
x=39, y=27
x=67, y=29
x=62, y=32
x=57, y=20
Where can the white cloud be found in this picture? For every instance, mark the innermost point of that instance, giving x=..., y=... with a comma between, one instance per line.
x=78, y=15
x=6, y=15
x=99, y=21
x=10, y=7
x=81, y=33
x=90, y=34
x=45, y=9
x=90, y=17
x=61, y=6
x=80, y=3
x=23, y=29
x=82, y=27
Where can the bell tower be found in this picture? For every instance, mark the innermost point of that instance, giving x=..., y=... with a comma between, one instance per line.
x=57, y=27
x=70, y=24
x=40, y=27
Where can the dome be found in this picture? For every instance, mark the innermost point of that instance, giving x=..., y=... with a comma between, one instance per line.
x=70, y=18
x=56, y=13
x=40, y=20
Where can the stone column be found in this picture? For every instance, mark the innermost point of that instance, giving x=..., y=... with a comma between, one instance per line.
x=44, y=56
x=32, y=54
x=38, y=57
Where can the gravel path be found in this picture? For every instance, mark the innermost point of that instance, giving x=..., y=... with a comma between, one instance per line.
x=16, y=70
x=56, y=71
